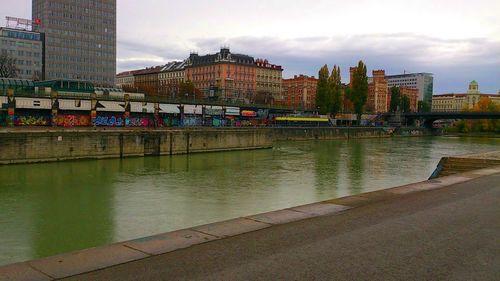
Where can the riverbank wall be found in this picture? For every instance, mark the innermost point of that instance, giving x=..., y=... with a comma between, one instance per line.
x=464, y=163
x=30, y=146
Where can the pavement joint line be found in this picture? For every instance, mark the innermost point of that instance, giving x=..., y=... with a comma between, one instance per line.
x=38, y=270
x=218, y=237
x=256, y=220
x=247, y=218
x=132, y=248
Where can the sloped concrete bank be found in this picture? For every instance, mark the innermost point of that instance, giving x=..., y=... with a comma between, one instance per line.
x=89, y=260
x=29, y=146
x=464, y=163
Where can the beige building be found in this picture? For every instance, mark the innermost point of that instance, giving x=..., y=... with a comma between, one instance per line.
x=455, y=102
x=269, y=78
x=125, y=79
x=170, y=77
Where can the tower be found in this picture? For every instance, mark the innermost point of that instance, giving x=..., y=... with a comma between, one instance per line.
x=80, y=39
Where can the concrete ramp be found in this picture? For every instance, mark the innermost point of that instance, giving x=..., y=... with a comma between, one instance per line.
x=459, y=164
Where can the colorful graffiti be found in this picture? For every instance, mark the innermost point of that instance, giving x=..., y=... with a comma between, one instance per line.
x=32, y=120
x=110, y=121
x=192, y=121
x=118, y=121
x=69, y=121
x=139, y=122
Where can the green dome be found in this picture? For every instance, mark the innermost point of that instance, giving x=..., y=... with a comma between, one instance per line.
x=473, y=82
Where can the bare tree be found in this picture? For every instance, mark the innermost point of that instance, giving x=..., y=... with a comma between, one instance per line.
x=8, y=67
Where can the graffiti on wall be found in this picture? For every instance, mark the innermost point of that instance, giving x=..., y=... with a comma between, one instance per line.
x=69, y=121
x=31, y=120
x=119, y=121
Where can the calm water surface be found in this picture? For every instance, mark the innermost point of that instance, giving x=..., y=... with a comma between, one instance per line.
x=50, y=208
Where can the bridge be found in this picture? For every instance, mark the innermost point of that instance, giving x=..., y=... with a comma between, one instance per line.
x=430, y=117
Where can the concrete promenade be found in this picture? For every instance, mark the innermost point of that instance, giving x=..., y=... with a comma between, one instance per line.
x=442, y=229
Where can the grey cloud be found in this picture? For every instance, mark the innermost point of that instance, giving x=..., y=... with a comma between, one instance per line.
x=453, y=61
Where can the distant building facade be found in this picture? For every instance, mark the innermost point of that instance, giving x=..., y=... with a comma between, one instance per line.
x=170, y=77
x=125, y=79
x=269, y=78
x=455, y=102
x=147, y=80
x=80, y=39
x=26, y=47
x=299, y=92
x=412, y=95
x=423, y=82
x=377, y=93
x=224, y=75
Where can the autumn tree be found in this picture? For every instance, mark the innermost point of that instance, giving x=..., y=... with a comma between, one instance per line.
x=8, y=68
x=485, y=104
x=186, y=89
x=323, y=91
x=335, y=85
x=359, y=89
x=189, y=91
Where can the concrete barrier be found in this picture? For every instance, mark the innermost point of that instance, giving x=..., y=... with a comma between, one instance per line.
x=458, y=164
x=25, y=146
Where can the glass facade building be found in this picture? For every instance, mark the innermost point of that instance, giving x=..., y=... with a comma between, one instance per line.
x=423, y=82
x=26, y=47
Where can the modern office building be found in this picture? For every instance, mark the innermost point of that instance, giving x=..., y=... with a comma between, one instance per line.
x=423, y=82
x=25, y=47
x=80, y=39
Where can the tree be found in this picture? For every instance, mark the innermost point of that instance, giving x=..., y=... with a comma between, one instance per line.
x=395, y=99
x=359, y=90
x=423, y=106
x=263, y=97
x=8, y=68
x=335, y=84
x=322, y=91
x=405, y=103
x=186, y=89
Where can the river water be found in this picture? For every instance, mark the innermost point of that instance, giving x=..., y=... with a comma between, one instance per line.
x=51, y=208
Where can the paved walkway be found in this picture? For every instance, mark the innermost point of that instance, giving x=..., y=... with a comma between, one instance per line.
x=450, y=233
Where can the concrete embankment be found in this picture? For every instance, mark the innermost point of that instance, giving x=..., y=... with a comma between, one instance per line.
x=55, y=145
x=464, y=163
x=29, y=146
x=417, y=229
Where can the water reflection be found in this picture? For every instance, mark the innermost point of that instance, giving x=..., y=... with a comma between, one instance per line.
x=47, y=209
x=356, y=166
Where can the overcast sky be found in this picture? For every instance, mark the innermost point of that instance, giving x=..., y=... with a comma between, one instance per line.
x=457, y=40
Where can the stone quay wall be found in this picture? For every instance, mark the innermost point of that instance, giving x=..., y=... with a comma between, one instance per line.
x=25, y=146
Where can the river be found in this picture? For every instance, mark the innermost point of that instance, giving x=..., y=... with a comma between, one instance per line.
x=51, y=208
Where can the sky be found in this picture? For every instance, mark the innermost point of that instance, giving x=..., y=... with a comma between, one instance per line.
x=456, y=40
